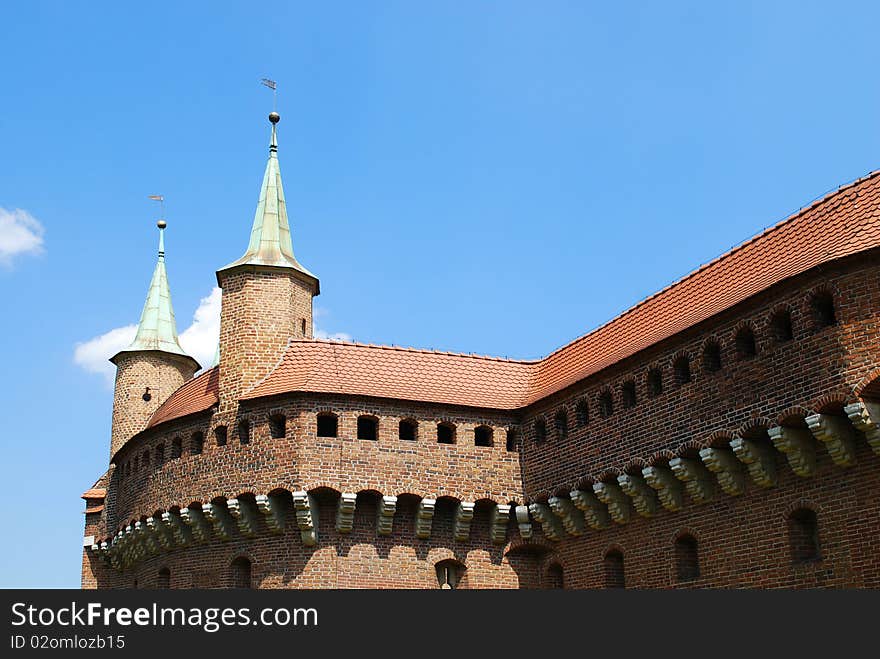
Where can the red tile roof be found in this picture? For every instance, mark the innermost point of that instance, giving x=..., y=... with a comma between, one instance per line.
x=94, y=493
x=404, y=373
x=840, y=224
x=197, y=395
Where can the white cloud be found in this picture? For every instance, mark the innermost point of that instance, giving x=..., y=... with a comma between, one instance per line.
x=20, y=233
x=321, y=312
x=200, y=338
x=93, y=355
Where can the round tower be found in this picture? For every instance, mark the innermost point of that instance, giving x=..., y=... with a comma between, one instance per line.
x=267, y=294
x=154, y=366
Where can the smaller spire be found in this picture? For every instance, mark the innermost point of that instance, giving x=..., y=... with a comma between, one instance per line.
x=157, y=329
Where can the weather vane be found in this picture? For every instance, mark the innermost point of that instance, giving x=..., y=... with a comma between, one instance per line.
x=271, y=84
x=161, y=199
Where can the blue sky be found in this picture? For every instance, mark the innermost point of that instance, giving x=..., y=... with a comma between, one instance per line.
x=492, y=177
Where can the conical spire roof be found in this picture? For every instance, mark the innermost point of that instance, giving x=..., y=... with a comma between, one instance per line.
x=157, y=329
x=270, y=244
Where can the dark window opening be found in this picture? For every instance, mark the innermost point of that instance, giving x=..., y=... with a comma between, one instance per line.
x=368, y=428
x=540, y=430
x=510, y=444
x=745, y=343
x=408, y=430
x=277, y=426
x=303, y=326
x=196, y=443
x=445, y=433
x=449, y=574
x=613, y=569
x=146, y=459
x=176, y=447
x=483, y=436
x=655, y=382
x=628, y=394
x=244, y=432
x=328, y=425
x=687, y=563
x=241, y=573
x=712, y=357
x=561, y=423
x=804, y=536
x=682, y=369
x=137, y=463
x=606, y=404
x=781, y=328
x=582, y=412
x=160, y=454
x=823, y=310
x=555, y=577
x=163, y=580
x=220, y=434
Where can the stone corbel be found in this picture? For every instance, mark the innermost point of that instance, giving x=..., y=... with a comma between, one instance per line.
x=161, y=534
x=425, y=518
x=729, y=471
x=244, y=515
x=643, y=497
x=198, y=525
x=619, y=506
x=548, y=521
x=385, y=516
x=666, y=485
x=219, y=518
x=306, y=517
x=798, y=446
x=272, y=510
x=758, y=459
x=595, y=512
x=572, y=518
x=498, y=520
x=179, y=531
x=838, y=436
x=523, y=522
x=865, y=416
x=345, y=512
x=464, y=514
x=696, y=478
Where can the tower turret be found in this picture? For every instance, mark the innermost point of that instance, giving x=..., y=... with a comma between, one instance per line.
x=154, y=365
x=267, y=294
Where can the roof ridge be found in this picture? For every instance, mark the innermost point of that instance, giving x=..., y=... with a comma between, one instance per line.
x=378, y=346
x=816, y=202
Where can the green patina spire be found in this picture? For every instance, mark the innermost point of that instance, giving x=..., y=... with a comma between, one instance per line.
x=270, y=243
x=157, y=329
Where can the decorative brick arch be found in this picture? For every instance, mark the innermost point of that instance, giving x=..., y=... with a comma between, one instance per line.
x=869, y=386
x=720, y=438
x=754, y=426
x=831, y=402
x=795, y=412
x=661, y=458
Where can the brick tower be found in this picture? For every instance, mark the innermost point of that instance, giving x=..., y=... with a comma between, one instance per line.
x=267, y=294
x=154, y=366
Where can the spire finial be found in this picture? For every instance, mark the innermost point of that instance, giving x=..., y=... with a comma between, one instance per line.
x=274, y=117
x=161, y=224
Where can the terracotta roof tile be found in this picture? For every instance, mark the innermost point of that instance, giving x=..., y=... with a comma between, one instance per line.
x=197, y=395
x=404, y=373
x=94, y=493
x=842, y=223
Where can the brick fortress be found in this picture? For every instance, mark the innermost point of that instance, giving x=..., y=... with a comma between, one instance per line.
x=721, y=433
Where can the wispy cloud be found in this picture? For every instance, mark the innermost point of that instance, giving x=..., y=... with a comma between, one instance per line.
x=321, y=312
x=92, y=355
x=199, y=340
x=20, y=234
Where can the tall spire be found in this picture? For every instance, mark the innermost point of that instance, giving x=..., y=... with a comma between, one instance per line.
x=157, y=329
x=270, y=244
